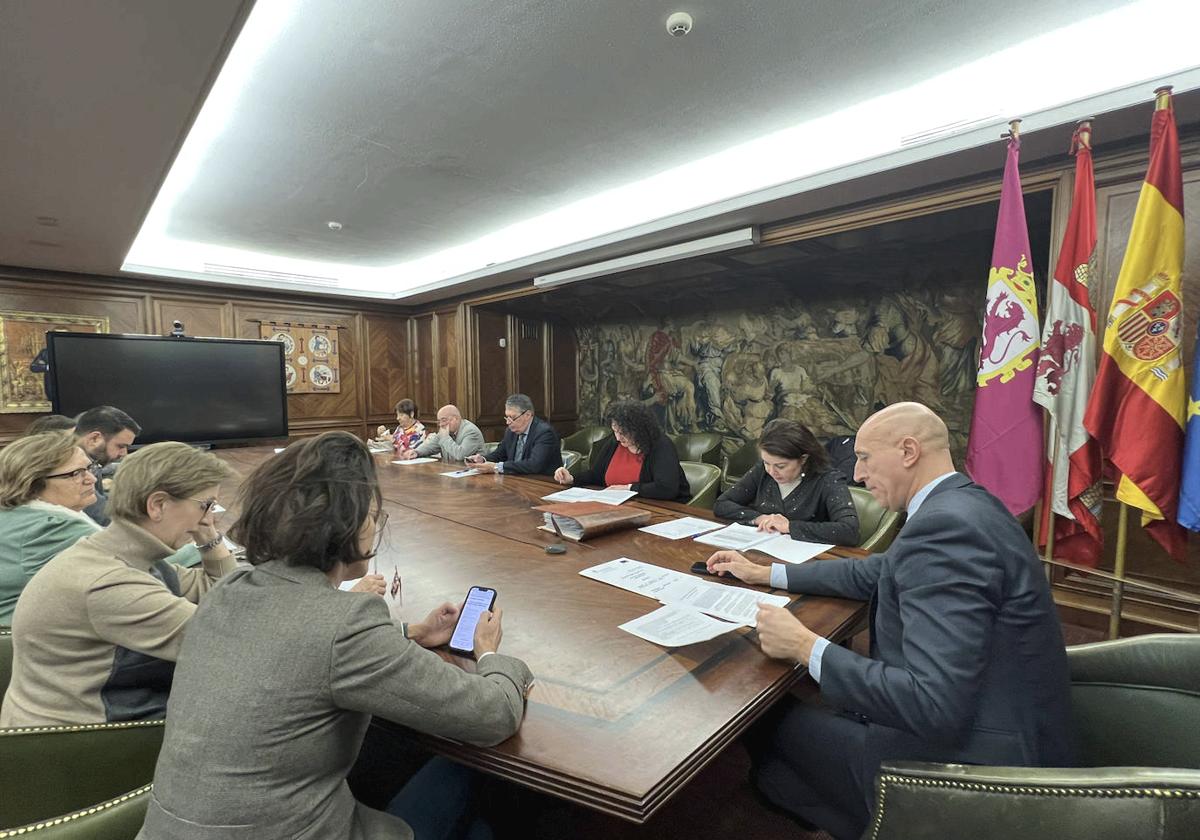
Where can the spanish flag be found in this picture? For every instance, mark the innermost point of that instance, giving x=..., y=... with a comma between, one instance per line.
x=1136, y=410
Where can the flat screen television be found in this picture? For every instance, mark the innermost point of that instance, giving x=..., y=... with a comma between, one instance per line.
x=195, y=390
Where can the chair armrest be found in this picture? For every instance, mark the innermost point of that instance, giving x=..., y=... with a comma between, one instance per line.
x=121, y=816
x=925, y=801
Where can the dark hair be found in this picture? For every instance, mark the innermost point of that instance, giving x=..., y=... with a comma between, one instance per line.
x=307, y=504
x=407, y=407
x=789, y=439
x=637, y=421
x=50, y=423
x=106, y=420
x=519, y=401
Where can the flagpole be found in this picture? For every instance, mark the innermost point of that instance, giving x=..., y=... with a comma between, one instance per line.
x=1118, y=593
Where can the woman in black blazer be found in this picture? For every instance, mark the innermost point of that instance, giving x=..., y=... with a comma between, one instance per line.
x=792, y=490
x=640, y=457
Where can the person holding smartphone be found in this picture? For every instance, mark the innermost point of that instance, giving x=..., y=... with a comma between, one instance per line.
x=280, y=673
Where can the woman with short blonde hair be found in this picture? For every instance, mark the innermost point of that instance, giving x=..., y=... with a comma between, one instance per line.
x=45, y=484
x=98, y=629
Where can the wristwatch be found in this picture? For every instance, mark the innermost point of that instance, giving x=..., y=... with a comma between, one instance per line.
x=213, y=543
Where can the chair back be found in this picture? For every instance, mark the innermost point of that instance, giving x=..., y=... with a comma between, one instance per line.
x=1136, y=701
x=704, y=447
x=47, y=771
x=6, y=656
x=704, y=481
x=585, y=438
x=734, y=466
x=489, y=447
x=571, y=458
x=119, y=818
x=877, y=526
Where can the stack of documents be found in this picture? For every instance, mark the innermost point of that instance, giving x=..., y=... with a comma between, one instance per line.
x=608, y=496
x=677, y=529
x=731, y=603
x=780, y=546
x=417, y=461
x=676, y=626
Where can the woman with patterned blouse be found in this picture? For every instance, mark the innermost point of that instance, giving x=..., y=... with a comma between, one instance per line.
x=793, y=490
x=410, y=432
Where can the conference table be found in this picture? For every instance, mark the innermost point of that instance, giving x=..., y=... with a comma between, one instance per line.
x=613, y=722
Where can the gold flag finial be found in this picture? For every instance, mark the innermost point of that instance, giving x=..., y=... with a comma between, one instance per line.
x=1014, y=130
x=1083, y=134
x=1162, y=98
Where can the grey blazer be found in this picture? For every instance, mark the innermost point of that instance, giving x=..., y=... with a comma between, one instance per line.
x=277, y=680
x=967, y=658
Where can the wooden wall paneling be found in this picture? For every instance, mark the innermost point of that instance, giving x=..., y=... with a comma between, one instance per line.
x=491, y=370
x=386, y=349
x=562, y=364
x=531, y=362
x=447, y=371
x=316, y=411
x=421, y=383
x=201, y=319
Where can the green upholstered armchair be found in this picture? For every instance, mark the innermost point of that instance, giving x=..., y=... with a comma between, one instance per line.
x=703, y=447
x=47, y=771
x=1135, y=704
x=6, y=655
x=877, y=526
x=738, y=464
x=585, y=439
x=489, y=447
x=119, y=818
x=571, y=460
x=704, y=480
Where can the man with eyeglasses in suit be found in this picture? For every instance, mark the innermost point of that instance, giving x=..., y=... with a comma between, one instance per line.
x=529, y=447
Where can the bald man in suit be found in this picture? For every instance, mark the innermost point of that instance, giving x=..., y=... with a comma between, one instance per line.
x=967, y=662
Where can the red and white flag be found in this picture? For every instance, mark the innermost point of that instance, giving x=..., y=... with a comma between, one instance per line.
x=1065, y=374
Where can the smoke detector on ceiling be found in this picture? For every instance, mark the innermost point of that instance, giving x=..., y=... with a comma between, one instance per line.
x=679, y=24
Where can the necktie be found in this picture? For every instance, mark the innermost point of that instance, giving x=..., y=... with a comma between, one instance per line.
x=520, y=447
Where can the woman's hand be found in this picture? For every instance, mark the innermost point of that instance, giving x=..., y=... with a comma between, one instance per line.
x=620, y=487
x=563, y=476
x=375, y=584
x=775, y=522
x=437, y=628
x=732, y=563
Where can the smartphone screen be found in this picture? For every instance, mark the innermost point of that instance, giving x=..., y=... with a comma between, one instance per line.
x=479, y=600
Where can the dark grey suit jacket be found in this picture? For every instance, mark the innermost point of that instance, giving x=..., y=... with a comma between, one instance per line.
x=277, y=680
x=967, y=657
x=542, y=454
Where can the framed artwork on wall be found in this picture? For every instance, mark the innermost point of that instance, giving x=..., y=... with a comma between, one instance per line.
x=311, y=356
x=23, y=359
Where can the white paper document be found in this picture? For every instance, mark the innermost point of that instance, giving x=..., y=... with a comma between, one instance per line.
x=677, y=529
x=461, y=473
x=608, y=496
x=417, y=461
x=732, y=603
x=675, y=626
x=748, y=538
x=737, y=537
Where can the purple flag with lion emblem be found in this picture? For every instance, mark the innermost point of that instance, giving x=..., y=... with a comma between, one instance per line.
x=1004, y=451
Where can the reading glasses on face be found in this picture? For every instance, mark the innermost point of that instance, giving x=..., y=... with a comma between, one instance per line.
x=206, y=505
x=75, y=475
x=508, y=421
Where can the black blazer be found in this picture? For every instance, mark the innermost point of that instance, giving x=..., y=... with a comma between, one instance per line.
x=818, y=510
x=542, y=455
x=967, y=658
x=661, y=478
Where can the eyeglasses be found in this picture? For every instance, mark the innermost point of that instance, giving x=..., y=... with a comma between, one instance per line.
x=508, y=421
x=75, y=475
x=205, y=504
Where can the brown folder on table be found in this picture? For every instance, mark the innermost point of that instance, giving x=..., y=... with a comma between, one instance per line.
x=581, y=520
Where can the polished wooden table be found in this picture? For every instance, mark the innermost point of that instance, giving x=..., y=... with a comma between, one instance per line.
x=613, y=722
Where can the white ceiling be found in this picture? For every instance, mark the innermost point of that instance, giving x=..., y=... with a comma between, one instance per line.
x=423, y=126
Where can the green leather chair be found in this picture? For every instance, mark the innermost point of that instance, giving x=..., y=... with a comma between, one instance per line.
x=6, y=655
x=703, y=447
x=877, y=526
x=585, y=439
x=489, y=447
x=46, y=771
x=738, y=464
x=119, y=818
x=1135, y=703
x=704, y=481
x=571, y=458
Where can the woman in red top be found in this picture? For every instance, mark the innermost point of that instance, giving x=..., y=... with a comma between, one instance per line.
x=639, y=457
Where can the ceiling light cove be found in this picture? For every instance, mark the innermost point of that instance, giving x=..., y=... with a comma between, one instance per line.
x=1047, y=79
